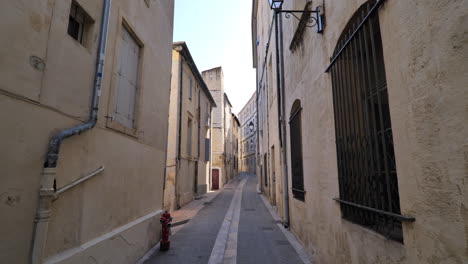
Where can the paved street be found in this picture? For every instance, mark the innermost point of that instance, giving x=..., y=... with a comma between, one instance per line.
x=234, y=227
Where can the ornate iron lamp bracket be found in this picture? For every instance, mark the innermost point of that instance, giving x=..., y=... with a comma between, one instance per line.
x=317, y=20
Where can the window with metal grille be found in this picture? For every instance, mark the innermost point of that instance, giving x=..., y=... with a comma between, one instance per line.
x=366, y=161
x=295, y=127
x=78, y=23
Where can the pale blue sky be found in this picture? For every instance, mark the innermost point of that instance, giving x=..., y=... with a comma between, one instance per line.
x=218, y=33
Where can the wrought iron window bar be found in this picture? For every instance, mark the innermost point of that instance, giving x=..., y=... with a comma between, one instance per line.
x=399, y=217
x=351, y=37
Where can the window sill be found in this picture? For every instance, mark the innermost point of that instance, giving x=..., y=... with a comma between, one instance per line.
x=114, y=125
x=401, y=218
x=298, y=194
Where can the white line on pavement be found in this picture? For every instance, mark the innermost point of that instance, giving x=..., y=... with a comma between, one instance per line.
x=226, y=240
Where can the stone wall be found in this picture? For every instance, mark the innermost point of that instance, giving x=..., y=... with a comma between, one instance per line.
x=40, y=99
x=425, y=52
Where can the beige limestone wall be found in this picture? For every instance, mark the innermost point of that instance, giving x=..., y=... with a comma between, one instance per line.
x=203, y=180
x=425, y=50
x=172, y=135
x=188, y=169
x=37, y=104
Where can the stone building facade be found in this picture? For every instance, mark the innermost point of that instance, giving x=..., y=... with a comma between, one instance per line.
x=48, y=83
x=375, y=124
x=248, y=136
x=222, y=153
x=234, y=146
x=188, y=163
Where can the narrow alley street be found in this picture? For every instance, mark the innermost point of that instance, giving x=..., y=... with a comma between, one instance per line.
x=258, y=131
x=234, y=227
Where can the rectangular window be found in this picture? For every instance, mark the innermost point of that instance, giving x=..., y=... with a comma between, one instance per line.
x=127, y=82
x=295, y=128
x=207, y=149
x=190, y=89
x=78, y=23
x=189, y=137
x=364, y=142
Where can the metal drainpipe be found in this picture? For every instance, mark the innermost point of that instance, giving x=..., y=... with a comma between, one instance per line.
x=283, y=125
x=258, y=132
x=47, y=189
x=179, y=136
x=211, y=156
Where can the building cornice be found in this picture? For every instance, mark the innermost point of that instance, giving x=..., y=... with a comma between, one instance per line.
x=254, y=32
x=182, y=48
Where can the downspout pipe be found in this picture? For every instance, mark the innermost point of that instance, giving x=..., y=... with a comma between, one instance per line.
x=283, y=126
x=179, y=129
x=257, y=93
x=47, y=190
x=281, y=123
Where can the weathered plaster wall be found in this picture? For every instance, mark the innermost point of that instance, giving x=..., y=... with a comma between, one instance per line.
x=187, y=171
x=37, y=104
x=425, y=49
x=205, y=128
x=172, y=135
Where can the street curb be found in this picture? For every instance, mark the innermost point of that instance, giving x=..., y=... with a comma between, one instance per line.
x=295, y=242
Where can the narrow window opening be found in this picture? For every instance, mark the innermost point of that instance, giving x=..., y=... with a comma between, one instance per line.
x=190, y=89
x=189, y=137
x=295, y=126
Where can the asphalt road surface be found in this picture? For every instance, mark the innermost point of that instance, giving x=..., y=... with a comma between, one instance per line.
x=235, y=227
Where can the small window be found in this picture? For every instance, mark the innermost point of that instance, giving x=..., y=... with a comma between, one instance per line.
x=79, y=23
x=190, y=89
x=295, y=127
x=189, y=137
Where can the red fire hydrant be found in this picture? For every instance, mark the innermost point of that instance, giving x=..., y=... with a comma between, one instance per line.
x=166, y=221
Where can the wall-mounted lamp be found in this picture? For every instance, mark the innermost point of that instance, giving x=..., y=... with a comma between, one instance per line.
x=276, y=4
x=317, y=20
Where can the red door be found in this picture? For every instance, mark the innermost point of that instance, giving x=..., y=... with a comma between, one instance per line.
x=215, y=179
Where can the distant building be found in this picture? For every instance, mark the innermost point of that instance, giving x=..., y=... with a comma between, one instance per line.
x=234, y=151
x=74, y=189
x=221, y=151
x=188, y=163
x=235, y=144
x=248, y=136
